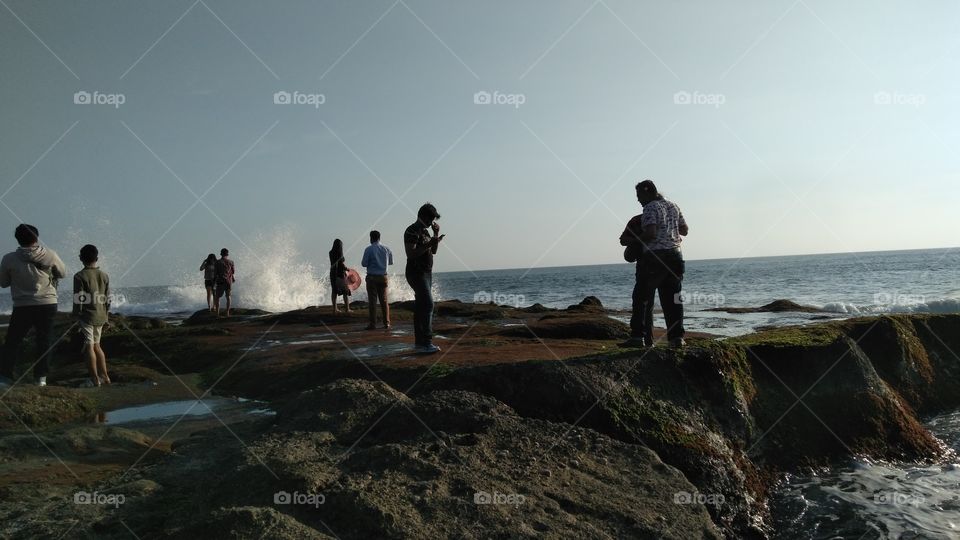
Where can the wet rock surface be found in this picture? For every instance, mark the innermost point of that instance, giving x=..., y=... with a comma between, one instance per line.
x=569, y=435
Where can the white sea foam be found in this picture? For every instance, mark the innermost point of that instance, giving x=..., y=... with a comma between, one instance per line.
x=272, y=275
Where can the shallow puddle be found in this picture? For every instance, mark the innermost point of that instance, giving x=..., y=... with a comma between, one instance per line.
x=171, y=411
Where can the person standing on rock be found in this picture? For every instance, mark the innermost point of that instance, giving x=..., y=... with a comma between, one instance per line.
x=660, y=268
x=376, y=258
x=32, y=273
x=338, y=275
x=209, y=269
x=91, y=306
x=224, y=277
x=420, y=247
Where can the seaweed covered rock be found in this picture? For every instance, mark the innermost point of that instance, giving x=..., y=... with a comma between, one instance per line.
x=447, y=465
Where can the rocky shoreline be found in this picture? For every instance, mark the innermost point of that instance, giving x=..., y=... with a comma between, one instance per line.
x=533, y=422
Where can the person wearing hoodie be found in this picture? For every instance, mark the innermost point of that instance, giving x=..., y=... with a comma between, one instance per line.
x=32, y=273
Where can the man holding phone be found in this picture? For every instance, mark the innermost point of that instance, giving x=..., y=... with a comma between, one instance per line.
x=420, y=247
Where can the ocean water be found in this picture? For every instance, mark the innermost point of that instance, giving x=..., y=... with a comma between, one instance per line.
x=842, y=285
x=873, y=500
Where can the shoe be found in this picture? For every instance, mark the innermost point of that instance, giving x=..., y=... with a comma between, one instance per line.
x=387, y=326
x=677, y=343
x=42, y=381
x=104, y=381
x=371, y=327
x=90, y=384
x=428, y=349
x=634, y=343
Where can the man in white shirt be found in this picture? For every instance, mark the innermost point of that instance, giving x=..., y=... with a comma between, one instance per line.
x=661, y=270
x=376, y=258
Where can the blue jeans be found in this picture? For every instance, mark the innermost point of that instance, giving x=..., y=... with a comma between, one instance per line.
x=421, y=282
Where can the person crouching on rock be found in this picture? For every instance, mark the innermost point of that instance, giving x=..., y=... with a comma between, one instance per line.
x=661, y=267
x=420, y=247
x=31, y=272
x=91, y=306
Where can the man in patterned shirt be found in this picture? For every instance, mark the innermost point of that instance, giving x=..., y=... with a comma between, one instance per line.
x=660, y=269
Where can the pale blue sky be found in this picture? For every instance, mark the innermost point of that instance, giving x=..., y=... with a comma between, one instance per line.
x=804, y=155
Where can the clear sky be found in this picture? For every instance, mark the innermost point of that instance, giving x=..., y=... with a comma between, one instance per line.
x=779, y=127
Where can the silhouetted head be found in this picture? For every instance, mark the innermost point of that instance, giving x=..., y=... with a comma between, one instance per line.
x=211, y=258
x=224, y=252
x=338, y=246
x=427, y=214
x=374, y=236
x=647, y=191
x=89, y=254
x=26, y=235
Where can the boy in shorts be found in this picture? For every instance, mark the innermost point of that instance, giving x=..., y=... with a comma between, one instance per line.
x=91, y=305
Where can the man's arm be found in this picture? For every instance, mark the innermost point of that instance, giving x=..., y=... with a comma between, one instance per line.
x=366, y=258
x=5, y=277
x=59, y=269
x=77, y=288
x=682, y=226
x=106, y=292
x=414, y=251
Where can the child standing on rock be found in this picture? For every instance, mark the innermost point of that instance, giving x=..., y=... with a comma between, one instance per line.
x=91, y=305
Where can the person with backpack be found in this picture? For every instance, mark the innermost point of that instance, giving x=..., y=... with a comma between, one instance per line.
x=32, y=273
x=224, y=278
x=209, y=269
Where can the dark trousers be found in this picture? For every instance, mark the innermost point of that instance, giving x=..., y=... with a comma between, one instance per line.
x=421, y=282
x=658, y=272
x=21, y=321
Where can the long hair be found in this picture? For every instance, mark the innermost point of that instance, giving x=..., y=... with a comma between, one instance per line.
x=337, y=248
x=211, y=259
x=649, y=188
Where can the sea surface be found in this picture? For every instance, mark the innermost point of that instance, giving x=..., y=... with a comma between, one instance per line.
x=872, y=500
x=842, y=285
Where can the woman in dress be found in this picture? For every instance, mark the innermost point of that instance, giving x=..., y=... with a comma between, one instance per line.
x=209, y=269
x=338, y=276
